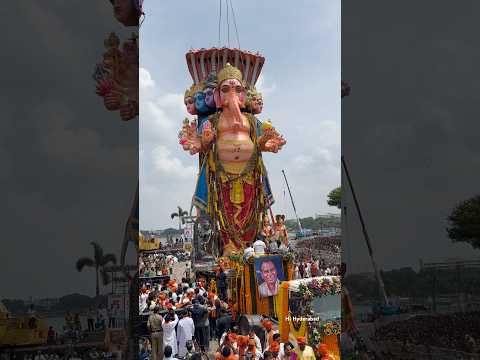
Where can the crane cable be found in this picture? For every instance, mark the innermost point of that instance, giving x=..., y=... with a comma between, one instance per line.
x=230, y=8
x=235, y=24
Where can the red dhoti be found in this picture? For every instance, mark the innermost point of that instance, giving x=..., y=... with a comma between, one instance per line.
x=240, y=218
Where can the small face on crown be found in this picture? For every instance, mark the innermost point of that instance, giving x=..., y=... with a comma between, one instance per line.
x=190, y=105
x=254, y=101
x=200, y=103
x=209, y=98
x=257, y=104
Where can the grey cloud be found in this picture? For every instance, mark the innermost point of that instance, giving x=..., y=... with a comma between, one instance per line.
x=73, y=164
x=408, y=127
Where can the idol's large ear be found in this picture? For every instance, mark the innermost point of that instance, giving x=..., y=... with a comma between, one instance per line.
x=242, y=99
x=216, y=98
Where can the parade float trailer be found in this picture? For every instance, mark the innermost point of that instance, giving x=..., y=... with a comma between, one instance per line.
x=22, y=330
x=234, y=197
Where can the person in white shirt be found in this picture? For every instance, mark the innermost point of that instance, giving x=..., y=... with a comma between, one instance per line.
x=254, y=336
x=142, y=304
x=169, y=335
x=249, y=251
x=185, y=332
x=259, y=247
x=253, y=350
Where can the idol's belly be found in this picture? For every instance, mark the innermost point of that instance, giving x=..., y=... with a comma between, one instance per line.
x=234, y=150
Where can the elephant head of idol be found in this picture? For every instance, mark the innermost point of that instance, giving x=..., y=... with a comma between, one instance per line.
x=230, y=93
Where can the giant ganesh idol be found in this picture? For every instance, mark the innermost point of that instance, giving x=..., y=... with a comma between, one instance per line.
x=232, y=189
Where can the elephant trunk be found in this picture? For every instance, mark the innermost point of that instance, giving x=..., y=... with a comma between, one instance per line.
x=232, y=103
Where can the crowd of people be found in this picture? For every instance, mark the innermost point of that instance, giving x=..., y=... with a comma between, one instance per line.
x=97, y=320
x=329, y=243
x=442, y=331
x=168, y=294
x=69, y=354
x=317, y=256
x=184, y=335
x=155, y=263
x=314, y=267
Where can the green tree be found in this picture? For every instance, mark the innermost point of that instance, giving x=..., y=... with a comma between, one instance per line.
x=465, y=222
x=180, y=213
x=335, y=197
x=98, y=262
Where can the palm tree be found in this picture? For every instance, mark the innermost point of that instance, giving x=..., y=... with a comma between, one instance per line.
x=98, y=262
x=181, y=213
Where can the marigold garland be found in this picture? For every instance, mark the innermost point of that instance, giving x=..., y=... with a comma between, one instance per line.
x=317, y=288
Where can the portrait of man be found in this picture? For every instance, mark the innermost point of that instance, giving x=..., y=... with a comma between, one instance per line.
x=269, y=274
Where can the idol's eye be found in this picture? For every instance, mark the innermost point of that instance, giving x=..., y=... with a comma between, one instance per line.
x=225, y=89
x=238, y=89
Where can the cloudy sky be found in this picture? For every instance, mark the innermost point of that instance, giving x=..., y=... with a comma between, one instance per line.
x=410, y=127
x=69, y=167
x=300, y=83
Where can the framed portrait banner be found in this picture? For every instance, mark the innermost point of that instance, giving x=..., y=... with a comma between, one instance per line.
x=269, y=273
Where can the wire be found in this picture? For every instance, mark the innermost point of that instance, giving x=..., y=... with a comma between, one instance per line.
x=235, y=24
x=228, y=25
x=219, y=22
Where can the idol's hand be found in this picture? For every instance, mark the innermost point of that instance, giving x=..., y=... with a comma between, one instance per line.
x=271, y=141
x=104, y=86
x=270, y=146
x=207, y=134
x=128, y=112
x=112, y=100
x=188, y=138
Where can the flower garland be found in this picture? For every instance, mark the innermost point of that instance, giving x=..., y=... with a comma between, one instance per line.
x=317, y=288
x=318, y=331
x=325, y=286
x=330, y=328
x=289, y=256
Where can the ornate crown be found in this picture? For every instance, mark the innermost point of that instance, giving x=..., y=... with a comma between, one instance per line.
x=229, y=72
x=194, y=89
x=188, y=93
x=253, y=93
